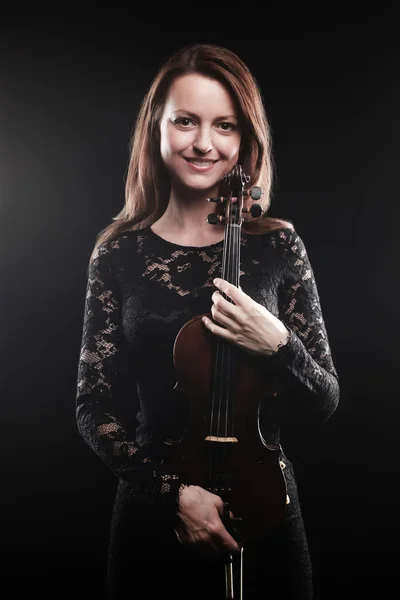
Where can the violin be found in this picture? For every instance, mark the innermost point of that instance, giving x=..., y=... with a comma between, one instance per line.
x=222, y=449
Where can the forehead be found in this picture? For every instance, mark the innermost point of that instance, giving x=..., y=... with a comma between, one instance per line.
x=198, y=93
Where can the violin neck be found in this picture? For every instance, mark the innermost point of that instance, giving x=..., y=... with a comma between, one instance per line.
x=231, y=255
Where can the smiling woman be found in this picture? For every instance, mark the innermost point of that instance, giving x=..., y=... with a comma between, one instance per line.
x=227, y=95
x=199, y=143
x=153, y=270
x=195, y=132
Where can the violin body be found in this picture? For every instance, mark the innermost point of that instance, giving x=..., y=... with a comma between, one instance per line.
x=222, y=449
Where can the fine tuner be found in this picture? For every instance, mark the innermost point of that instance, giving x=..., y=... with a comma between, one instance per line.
x=256, y=211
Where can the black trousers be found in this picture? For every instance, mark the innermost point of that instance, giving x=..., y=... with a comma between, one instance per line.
x=147, y=560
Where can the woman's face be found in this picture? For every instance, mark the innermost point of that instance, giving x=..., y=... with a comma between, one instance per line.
x=199, y=132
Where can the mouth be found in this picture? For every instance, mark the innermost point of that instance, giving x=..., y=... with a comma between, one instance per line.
x=200, y=164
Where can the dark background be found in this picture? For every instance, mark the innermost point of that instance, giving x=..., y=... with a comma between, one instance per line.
x=70, y=90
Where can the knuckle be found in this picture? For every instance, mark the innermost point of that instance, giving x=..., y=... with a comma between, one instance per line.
x=215, y=528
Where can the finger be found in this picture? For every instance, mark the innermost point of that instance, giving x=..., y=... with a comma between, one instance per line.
x=223, y=303
x=221, y=534
x=229, y=314
x=228, y=543
x=217, y=330
x=231, y=549
x=209, y=547
x=230, y=290
x=220, y=505
x=223, y=319
x=206, y=546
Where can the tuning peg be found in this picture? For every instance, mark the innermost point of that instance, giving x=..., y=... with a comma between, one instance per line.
x=255, y=210
x=255, y=193
x=213, y=219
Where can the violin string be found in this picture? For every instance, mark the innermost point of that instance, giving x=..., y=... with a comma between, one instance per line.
x=223, y=358
x=223, y=362
x=213, y=454
x=230, y=270
x=214, y=430
x=233, y=264
x=228, y=348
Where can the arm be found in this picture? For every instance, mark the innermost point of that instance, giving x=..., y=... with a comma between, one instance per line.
x=98, y=372
x=304, y=363
x=198, y=511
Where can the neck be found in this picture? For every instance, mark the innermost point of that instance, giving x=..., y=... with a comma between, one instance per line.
x=187, y=213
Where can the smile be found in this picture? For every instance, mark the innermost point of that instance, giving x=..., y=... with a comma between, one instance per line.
x=200, y=165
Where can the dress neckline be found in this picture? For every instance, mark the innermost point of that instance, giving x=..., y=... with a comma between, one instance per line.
x=163, y=240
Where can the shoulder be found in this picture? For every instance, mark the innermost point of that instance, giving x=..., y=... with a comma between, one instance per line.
x=266, y=225
x=279, y=233
x=291, y=246
x=285, y=245
x=113, y=246
x=108, y=254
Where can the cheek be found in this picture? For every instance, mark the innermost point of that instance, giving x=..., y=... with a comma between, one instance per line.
x=233, y=155
x=231, y=148
x=172, y=141
x=165, y=143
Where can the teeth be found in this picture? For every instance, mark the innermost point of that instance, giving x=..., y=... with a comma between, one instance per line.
x=201, y=163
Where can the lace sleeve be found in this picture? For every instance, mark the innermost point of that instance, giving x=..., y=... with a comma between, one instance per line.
x=98, y=371
x=305, y=363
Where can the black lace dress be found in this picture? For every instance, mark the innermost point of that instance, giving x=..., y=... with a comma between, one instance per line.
x=141, y=290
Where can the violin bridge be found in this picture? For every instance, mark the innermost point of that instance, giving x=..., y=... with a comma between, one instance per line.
x=219, y=438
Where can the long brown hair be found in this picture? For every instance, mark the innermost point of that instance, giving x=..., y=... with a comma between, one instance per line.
x=147, y=185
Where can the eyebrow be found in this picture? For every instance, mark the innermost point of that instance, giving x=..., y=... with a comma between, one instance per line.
x=194, y=116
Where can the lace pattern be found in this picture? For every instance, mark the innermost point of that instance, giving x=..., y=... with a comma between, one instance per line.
x=140, y=291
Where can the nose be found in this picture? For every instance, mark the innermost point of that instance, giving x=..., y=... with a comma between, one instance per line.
x=203, y=143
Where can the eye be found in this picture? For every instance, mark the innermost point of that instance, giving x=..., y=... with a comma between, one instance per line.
x=226, y=126
x=183, y=122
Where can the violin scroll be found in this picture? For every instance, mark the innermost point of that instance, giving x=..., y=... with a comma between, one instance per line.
x=233, y=204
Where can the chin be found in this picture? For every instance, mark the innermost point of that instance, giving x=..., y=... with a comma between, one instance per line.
x=210, y=190
x=198, y=185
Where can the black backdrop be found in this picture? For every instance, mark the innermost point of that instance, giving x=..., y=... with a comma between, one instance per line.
x=70, y=91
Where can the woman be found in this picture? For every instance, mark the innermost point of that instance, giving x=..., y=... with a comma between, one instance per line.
x=153, y=269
